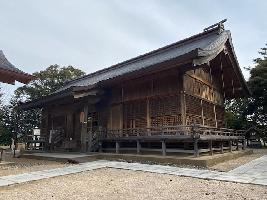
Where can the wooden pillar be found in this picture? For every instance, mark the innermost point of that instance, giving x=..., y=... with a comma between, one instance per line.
x=121, y=109
x=230, y=146
x=183, y=101
x=202, y=112
x=163, y=146
x=243, y=144
x=196, y=150
x=233, y=87
x=237, y=146
x=117, y=147
x=69, y=125
x=100, y=147
x=221, y=144
x=213, y=96
x=215, y=116
x=210, y=147
x=183, y=108
x=222, y=77
x=148, y=121
x=84, y=129
x=138, y=147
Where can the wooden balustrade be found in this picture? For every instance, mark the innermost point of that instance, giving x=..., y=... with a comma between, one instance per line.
x=165, y=131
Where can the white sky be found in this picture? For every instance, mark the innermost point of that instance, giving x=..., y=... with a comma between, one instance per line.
x=92, y=34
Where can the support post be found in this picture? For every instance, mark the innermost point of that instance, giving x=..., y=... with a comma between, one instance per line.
x=148, y=121
x=84, y=129
x=230, y=146
x=100, y=147
x=237, y=146
x=243, y=144
x=221, y=143
x=202, y=112
x=196, y=150
x=215, y=116
x=163, y=146
x=117, y=147
x=210, y=147
x=138, y=147
x=183, y=100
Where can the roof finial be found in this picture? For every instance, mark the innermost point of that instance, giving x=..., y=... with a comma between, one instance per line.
x=218, y=25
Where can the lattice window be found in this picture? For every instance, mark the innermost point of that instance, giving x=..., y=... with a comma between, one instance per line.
x=165, y=111
x=166, y=120
x=193, y=105
x=220, y=115
x=209, y=116
x=134, y=113
x=193, y=119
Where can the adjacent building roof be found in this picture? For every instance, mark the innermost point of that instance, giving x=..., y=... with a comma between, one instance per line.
x=9, y=73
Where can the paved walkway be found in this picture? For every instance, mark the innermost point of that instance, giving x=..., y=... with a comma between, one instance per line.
x=254, y=172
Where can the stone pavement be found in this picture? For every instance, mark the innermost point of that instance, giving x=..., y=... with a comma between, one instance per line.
x=254, y=172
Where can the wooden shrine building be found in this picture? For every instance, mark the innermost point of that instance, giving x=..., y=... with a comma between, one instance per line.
x=169, y=100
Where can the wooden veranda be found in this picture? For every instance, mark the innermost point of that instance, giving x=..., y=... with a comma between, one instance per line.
x=172, y=139
x=190, y=139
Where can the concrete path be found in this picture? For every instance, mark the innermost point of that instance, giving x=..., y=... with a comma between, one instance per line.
x=254, y=172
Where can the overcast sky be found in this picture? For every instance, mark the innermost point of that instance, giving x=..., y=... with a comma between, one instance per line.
x=92, y=35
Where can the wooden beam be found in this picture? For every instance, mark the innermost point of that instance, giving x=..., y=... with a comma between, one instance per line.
x=100, y=150
x=138, y=147
x=210, y=147
x=215, y=116
x=230, y=146
x=117, y=147
x=183, y=102
x=243, y=144
x=122, y=108
x=84, y=129
x=222, y=77
x=121, y=116
x=202, y=112
x=221, y=146
x=148, y=121
x=237, y=146
x=196, y=150
x=233, y=87
x=163, y=147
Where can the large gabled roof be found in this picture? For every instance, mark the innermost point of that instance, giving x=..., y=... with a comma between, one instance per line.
x=197, y=50
x=9, y=73
x=200, y=48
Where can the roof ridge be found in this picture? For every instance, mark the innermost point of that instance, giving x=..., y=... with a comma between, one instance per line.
x=174, y=44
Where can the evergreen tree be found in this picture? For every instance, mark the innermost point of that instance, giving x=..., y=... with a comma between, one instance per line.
x=21, y=122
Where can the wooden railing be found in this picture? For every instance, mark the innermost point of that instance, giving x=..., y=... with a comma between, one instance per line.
x=179, y=130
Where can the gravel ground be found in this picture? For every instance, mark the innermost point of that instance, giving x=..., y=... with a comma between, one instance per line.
x=23, y=165
x=114, y=184
x=234, y=163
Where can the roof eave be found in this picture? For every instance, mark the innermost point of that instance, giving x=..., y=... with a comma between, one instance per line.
x=15, y=76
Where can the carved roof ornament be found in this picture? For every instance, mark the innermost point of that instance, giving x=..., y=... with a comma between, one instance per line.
x=219, y=26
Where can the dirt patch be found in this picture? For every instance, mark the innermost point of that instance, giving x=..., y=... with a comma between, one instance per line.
x=234, y=163
x=23, y=165
x=123, y=184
